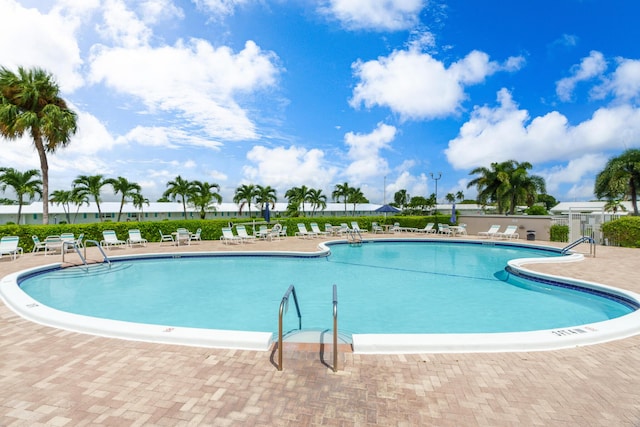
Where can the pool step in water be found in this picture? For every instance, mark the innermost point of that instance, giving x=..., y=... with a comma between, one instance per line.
x=316, y=336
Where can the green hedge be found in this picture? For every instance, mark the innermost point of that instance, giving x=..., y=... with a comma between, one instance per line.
x=211, y=228
x=623, y=232
x=559, y=233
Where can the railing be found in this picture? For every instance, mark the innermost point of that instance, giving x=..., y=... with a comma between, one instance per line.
x=99, y=246
x=583, y=239
x=335, y=328
x=354, y=236
x=284, y=306
x=73, y=245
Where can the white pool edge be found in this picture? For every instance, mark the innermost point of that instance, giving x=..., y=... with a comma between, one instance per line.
x=554, y=339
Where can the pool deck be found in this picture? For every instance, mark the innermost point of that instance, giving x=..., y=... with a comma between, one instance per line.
x=58, y=378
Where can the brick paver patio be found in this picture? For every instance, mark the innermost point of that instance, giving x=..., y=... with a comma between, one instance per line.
x=57, y=378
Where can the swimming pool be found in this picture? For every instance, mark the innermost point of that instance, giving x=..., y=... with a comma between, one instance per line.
x=389, y=291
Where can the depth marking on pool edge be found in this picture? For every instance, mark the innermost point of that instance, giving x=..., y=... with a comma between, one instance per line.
x=574, y=331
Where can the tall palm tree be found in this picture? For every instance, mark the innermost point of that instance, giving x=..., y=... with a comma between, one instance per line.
x=126, y=188
x=23, y=183
x=341, y=191
x=29, y=102
x=620, y=178
x=401, y=198
x=178, y=188
x=202, y=198
x=139, y=201
x=317, y=200
x=266, y=194
x=90, y=185
x=298, y=195
x=62, y=197
x=524, y=188
x=244, y=196
x=492, y=184
x=356, y=196
x=79, y=197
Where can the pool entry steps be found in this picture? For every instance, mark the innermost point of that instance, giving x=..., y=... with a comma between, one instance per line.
x=354, y=237
x=76, y=246
x=583, y=239
x=284, y=306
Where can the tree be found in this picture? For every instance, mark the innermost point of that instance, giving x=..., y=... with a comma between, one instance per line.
x=524, y=188
x=356, y=196
x=298, y=195
x=178, y=188
x=125, y=188
x=139, y=201
x=401, y=198
x=460, y=196
x=450, y=197
x=548, y=201
x=341, y=191
x=202, y=198
x=23, y=183
x=491, y=184
x=90, y=185
x=79, y=197
x=620, y=178
x=29, y=102
x=317, y=200
x=62, y=197
x=613, y=205
x=266, y=195
x=244, y=195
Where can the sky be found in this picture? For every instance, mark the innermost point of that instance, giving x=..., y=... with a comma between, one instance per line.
x=382, y=94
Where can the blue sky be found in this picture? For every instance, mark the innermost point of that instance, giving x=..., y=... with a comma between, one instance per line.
x=317, y=93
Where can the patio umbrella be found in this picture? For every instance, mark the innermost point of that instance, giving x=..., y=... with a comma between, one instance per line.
x=387, y=208
x=452, y=220
x=267, y=213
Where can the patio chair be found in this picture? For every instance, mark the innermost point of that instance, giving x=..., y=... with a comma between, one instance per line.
x=491, y=232
x=183, y=236
x=356, y=227
x=444, y=229
x=242, y=233
x=303, y=232
x=316, y=229
x=283, y=232
x=111, y=239
x=196, y=235
x=135, y=238
x=375, y=228
x=52, y=243
x=9, y=246
x=37, y=244
x=165, y=238
x=509, y=233
x=228, y=236
x=428, y=229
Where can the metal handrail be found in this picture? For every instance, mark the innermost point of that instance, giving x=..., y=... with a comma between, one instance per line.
x=352, y=234
x=73, y=245
x=583, y=239
x=335, y=328
x=284, y=305
x=99, y=246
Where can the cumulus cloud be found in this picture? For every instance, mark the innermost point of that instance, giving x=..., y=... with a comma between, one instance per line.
x=122, y=27
x=418, y=86
x=377, y=15
x=590, y=67
x=575, y=170
x=203, y=96
x=283, y=168
x=220, y=8
x=506, y=132
x=364, y=152
x=167, y=137
x=154, y=11
x=624, y=83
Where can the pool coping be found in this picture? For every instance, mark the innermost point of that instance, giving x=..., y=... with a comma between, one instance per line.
x=553, y=339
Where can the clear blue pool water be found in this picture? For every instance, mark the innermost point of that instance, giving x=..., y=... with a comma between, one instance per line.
x=383, y=287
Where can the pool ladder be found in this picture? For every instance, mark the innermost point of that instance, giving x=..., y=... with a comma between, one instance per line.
x=83, y=257
x=354, y=237
x=583, y=239
x=284, y=305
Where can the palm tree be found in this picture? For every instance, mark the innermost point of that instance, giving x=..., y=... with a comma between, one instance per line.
x=79, y=197
x=620, y=178
x=138, y=201
x=181, y=188
x=29, y=102
x=266, y=195
x=491, y=184
x=356, y=196
x=401, y=198
x=613, y=205
x=127, y=189
x=317, y=200
x=460, y=196
x=23, y=183
x=62, y=197
x=524, y=188
x=244, y=196
x=85, y=185
x=202, y=198
x=450, y=197
x=298, y=195
x=341, y=191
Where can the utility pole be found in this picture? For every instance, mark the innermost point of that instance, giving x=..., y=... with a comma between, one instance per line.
x=436, y=179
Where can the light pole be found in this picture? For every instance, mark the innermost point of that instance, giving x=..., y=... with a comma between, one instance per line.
x=384, y=191
x=436, y=179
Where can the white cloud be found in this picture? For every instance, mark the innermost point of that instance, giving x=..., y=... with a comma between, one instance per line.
x=576, y=170
x=364, y=151
x=417, y=86
x=505, y=132
x=624, y=83
x=378, y=15
x=167, y=137
x=220, y=8
x=283, y=168
x=154, y=11
x=201, y=90
x=122, y=27
x=30, y=38
x=590, y=67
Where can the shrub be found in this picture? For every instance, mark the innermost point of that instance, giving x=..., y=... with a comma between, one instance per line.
x=536, y=210
x=624, y=231
x=559, y=233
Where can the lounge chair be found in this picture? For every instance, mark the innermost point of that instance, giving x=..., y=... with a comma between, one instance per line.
x=316, y=229
x=283, y=232
x=375, y=228
x=356, y=227
x=37, y=244
x=9, y=246
x=509, y=233
x=228, y=236
x=444, y=229
x=303, y=232
x=111, y=239
x=273, y=234
x=461, y=229
x=135, y=238
x=428, y=229
x=490, y=232
x=183, y=236
x=165, y=238
x=52, y=244
x=196, y=235
x=242, y=233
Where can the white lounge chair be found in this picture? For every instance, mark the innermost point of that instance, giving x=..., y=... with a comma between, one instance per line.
x=428, y=229
x=316, y=229
x=52, y=244
x=509, y=233
x=490, y=232
x=37, y=244
x=135, y=238
x=356, y=227
x=242, y=233
x=303, y=232
x=197, y=235
x=111, y=239
x=228, y=236
x=444, y=229
x=9, y=246
x=375, y=228
x=165, y=238
x=273, y=234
